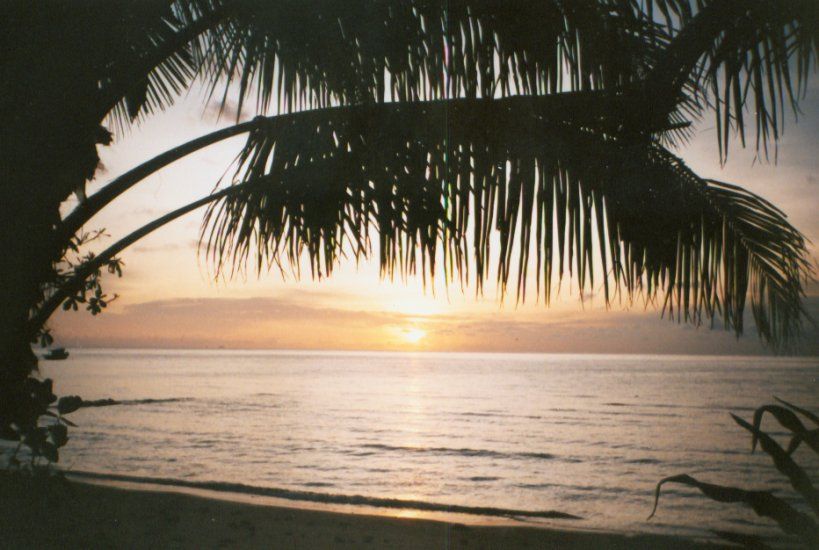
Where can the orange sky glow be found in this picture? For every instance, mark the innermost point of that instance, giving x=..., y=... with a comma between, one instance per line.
x=168, y=297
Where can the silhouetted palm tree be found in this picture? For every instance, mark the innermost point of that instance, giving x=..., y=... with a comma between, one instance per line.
x=436, y=126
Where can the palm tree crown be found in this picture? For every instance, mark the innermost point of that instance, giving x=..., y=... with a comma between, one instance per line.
x=450, y=128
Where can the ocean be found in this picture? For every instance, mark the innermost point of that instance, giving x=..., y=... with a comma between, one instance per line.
x=586, y=435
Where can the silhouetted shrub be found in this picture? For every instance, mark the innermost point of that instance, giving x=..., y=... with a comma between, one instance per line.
x=37, y=421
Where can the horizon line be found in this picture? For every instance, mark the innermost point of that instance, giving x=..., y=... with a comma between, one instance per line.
x=422, y=351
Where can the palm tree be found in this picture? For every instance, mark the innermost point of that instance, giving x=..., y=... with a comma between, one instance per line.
x=437, y=127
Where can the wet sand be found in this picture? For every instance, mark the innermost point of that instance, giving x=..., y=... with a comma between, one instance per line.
x=69, y=514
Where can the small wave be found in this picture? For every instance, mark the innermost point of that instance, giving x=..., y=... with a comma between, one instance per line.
x=650, y=415
x=332, y=498
x=485, y=453
x=733, y=408
x=575, y=488
x=498, y=415
x=108, y=402
x=482, y=478
x=535, y=485
x=642, y=461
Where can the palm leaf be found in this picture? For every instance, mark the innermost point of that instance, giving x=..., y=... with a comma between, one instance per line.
x=760, y=61
x=789, y=420
x=322, y=53
x=809, y=434
x=806, y=413
x=786, y=465
x=436, y=180
x=762, y=502
x=147, y=59
x=730, y=54
x=740, y=57
x=116, y=58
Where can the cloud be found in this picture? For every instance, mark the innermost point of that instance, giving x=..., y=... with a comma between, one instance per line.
x=261, y=311
x=290, y=321
x=586, y=295
x=227, y=111
x=191, y=244
x=316, y=319
x=146, y=211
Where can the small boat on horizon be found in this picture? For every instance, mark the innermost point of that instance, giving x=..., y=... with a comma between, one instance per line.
x=56, y=354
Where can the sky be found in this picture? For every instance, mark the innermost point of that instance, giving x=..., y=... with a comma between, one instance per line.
x=168, y=298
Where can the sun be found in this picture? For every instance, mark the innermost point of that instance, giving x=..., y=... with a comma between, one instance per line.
x=413, y=335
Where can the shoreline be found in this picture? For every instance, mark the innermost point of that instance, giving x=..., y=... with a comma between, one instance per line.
x=389, y=507
x=54, y=513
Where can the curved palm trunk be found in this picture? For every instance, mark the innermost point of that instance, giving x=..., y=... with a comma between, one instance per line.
x=102, y=198
x=45, y=311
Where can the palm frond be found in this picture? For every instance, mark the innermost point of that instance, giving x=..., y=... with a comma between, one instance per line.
x=148, y=59
x=116, y=58
x=743, y=58
x=303, y=55
x=439, y=181
x=764, y=503
x=797, y=476
x=804, y=412
x=322, y=53
x=788, y=419
x=761, y=64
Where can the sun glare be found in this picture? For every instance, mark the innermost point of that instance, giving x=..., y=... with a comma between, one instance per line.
x=414, y=335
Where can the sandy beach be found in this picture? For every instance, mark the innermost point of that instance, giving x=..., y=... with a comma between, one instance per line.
x=70, y=514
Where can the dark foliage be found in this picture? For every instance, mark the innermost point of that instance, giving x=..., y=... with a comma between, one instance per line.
x=764, y=503
x=38, y=422
x=548, y=178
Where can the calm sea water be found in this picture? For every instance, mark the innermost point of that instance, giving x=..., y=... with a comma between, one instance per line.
x=587, y=435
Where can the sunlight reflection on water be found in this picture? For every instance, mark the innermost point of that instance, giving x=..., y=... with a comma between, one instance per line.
x=587, y=435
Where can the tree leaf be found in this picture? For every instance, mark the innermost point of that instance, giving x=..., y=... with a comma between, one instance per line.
x=790, y=421
x=59, y=434
x=49, y=450
x=762, y=502
x=807, y=414
x=786, y=465
x=69, y=404
x=414, y=172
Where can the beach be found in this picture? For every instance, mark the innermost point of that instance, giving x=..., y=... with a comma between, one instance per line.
x=55, y=513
